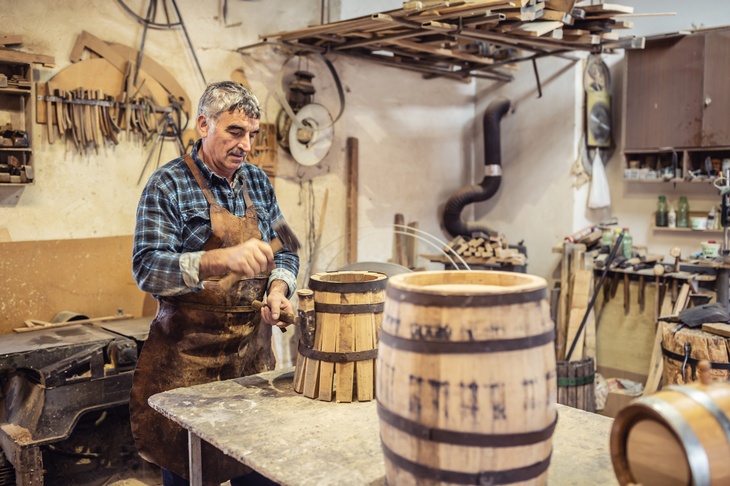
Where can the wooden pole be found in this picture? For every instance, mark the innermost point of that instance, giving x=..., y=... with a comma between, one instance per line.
x=352, y=183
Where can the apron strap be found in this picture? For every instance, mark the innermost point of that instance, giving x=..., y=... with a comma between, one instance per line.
x=204, y=185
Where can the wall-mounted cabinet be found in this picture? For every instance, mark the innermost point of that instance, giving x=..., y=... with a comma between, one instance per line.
x=16, y=123
x=677, y=124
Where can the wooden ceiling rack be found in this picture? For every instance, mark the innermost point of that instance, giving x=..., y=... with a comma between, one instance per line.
x=468, y=38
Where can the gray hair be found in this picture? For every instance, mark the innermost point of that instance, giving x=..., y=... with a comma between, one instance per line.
x=227, y=96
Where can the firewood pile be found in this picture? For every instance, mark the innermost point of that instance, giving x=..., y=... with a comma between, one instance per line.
x=465, y=38
x=485, y=249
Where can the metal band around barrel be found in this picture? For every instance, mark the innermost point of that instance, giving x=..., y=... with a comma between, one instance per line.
x=466, y=347
x=470, y=439
x=348, y=287
x=462, y=300
x=349, y=309
x=694, y=361
x=507, y=476
x=697, y=459
x=703, y=399
x=332, y=357
x=576, y=381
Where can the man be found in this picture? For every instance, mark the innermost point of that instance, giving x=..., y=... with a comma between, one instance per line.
x=200, y=217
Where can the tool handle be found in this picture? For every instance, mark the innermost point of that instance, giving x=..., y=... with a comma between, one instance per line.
x=227, y=282
x=284, y=316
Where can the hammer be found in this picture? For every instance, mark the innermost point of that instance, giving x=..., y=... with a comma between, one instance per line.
x=287, y=239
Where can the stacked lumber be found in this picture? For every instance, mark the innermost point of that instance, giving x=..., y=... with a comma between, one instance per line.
x=576, y=290
x=482, y=248
x=465, y=38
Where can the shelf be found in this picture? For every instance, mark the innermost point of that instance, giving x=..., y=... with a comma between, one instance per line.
x=16, y=149
x=685, y=230
x=15, y=91
x=463, y=39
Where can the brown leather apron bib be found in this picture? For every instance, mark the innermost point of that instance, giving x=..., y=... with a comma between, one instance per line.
x=199, y=338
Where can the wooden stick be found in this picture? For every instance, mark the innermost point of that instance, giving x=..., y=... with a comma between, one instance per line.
x=352, y=195
x=41, y=325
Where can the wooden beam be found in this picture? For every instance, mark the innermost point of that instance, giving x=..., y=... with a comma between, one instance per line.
x=26, y=57
x=352, y=193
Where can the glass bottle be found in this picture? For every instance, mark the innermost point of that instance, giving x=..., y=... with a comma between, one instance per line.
x=683, y=213
x=627, y=244
x=662, y=212
x=607, y=238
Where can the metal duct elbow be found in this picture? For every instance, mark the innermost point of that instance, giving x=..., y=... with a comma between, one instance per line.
x=492, y=176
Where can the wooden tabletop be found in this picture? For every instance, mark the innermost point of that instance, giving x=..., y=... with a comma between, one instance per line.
x=262, y=422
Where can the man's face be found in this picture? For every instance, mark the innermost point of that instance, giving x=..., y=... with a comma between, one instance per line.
x=225, y=147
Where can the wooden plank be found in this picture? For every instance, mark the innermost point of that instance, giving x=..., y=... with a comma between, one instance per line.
x=344, y=372
x=39, y=325
x=607, y=8
x=9, y=40
x=330, y=331
x=718, y=328
x=537, y=29
x=352, y=199
x=561, y=5
x=26, y=57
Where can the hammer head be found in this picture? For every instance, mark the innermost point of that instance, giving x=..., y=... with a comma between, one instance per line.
x=286, y=235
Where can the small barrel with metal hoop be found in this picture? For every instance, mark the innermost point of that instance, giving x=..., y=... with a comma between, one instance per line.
x=340, y=317
x=466, y=380
x=677, y=436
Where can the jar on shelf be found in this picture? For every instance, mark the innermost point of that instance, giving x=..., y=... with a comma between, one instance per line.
x=627, y=244
x=683, y=213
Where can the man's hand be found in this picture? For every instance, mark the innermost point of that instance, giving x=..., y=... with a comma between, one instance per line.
x=276, y=301
x=250, y=257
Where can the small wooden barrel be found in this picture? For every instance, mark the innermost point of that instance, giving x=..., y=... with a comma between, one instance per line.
x=466, y=381
x=339, y=345
x=576, y=384
x=684, y=349
x=678, y=436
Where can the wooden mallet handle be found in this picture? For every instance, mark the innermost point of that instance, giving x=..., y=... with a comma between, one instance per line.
x=284, y=316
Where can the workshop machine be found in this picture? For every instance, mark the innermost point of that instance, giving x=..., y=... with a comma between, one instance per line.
x=50, y=378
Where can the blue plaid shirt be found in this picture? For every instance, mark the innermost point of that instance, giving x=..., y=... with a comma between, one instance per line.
x=173, y=224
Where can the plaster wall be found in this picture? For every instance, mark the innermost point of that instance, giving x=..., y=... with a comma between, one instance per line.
x=419, y=140
x=415, y=136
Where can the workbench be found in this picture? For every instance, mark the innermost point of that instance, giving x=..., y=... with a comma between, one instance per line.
x=297, y=441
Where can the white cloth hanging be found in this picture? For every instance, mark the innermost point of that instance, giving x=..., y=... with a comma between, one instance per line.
x=600, y=193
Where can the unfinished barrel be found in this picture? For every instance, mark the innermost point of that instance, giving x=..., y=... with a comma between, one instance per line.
x=678, y=436
x=466, y=381
x=339, y=347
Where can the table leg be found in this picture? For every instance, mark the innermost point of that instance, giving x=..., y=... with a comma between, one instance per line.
x=196, y=463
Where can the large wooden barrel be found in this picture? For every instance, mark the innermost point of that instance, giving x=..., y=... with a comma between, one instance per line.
x=678, y=436
x=337, y=353
x=466, y=381
x=684, y=349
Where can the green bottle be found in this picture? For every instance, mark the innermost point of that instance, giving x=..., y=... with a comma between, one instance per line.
x=627, y=244
x=683, y=213
x=662, y=212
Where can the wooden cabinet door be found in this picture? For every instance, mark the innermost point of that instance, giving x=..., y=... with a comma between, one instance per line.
x=664, y=93
x=716, y=93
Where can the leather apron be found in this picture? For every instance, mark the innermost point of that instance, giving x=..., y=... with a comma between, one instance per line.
x=199, y=338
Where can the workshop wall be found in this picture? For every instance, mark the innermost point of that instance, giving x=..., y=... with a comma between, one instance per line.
x=420, y=140
x=415, y=136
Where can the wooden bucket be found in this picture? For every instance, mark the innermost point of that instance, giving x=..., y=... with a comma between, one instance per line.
x=576, y=384
x=678, y=436
x=683, y=350
x=341, y=318
x=466, y=381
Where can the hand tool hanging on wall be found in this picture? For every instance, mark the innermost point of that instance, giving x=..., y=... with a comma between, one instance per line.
x=149, y=21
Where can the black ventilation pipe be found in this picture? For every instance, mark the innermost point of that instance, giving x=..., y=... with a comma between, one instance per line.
x=489, y=185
